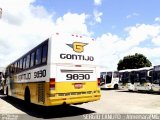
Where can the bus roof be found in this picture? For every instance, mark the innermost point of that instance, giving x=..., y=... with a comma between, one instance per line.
x=139, y=69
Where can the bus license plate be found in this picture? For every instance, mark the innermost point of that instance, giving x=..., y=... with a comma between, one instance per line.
x=78, y=85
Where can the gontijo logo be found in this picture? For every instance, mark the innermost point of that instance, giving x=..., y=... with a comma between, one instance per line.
x=78, y=46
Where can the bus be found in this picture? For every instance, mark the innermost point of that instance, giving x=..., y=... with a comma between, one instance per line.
x=124, y=79
x=109, y=79
x=60, y=70
x=127, y=78
x=136, y=79
x=145, y=79
x=156, y=79
x=133, y=77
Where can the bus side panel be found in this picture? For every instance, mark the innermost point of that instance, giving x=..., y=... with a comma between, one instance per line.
x=36, y=83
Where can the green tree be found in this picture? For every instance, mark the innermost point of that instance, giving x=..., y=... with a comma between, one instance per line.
x=133, y=62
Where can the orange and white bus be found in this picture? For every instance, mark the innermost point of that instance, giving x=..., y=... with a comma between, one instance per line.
x=60, y=70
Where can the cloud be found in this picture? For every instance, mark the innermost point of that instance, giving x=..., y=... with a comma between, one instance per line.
x=97, y=16
x=25, y=25
x=40, y=12
x=97, y=2
x=141, y=32
x=157, y=19
x=73, y=23
x=112, y=48
x=156, y=40
x=132, y=15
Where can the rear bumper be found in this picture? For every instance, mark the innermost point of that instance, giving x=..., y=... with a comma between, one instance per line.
x=72, y=97
x=72, y=100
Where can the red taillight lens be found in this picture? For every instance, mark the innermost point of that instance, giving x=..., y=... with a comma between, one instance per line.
x=52, y=83
x=98, y=81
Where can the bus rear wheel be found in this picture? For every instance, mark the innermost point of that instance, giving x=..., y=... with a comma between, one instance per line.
x=27, y=96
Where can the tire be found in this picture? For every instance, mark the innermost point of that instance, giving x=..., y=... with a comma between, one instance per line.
x=130, y=90
x=1, y=91
x=116, y=86
x=27, y=96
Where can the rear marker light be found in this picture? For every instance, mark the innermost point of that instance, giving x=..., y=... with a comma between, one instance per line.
x=98, y=81
x=52, y=83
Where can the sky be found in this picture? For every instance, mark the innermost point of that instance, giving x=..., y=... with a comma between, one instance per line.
x=119, y=27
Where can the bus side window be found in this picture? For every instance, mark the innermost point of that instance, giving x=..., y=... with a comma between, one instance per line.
x=18, y=66
x=108, y=78
x=38, y=55
x=24, y=63
x=115, y=75
x=44, y=53
x=12, y=68
x=21, y=64
x=15, y=67
x=32, y=59
x=28, y=61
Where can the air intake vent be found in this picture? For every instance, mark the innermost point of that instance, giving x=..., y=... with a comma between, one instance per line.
x=41, y=95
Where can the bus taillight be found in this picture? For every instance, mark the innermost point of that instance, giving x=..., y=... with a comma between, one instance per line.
x=98, y=81
x=52, y=83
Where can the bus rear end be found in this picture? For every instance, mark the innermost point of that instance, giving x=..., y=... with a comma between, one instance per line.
x=74, y=85
x=73, y=75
